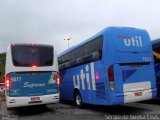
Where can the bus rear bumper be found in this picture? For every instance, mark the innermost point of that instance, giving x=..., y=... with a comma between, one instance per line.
x=136, y=96
x=27, y=101
x=140, y=95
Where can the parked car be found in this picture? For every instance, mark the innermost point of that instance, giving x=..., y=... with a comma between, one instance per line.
x=2, y=89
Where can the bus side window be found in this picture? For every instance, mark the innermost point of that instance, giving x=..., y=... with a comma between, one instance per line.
x=156, y=49
x=60, y=60
x=94, y=48
x=87, y=53
x=73, y=63
x=96, y=55
x=79, y=61
x=156, y=60
x=87, y=58
x=68, y=64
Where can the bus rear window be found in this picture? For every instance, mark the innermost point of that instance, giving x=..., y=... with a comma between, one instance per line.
x=28, y=56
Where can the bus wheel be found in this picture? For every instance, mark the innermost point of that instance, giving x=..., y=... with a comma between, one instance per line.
x=78, y=100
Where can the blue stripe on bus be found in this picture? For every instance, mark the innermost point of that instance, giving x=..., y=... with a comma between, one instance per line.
x=128, y=73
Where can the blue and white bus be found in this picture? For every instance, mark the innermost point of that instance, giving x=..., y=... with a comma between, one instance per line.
x=31, y=75
x=156, y=52
x=115, y=66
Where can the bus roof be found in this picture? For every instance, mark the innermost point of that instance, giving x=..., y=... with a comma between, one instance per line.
x=29, y=44
x=156, y=41
x=91, y=38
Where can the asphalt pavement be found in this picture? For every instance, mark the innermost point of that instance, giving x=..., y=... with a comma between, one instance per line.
x=68, y=111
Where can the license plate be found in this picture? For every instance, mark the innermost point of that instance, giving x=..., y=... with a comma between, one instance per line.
x=138, y=94
x=35, y=99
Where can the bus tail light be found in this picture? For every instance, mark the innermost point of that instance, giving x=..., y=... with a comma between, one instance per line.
x=57, y=78
x=8, y=81
x=97, y=76
x=111, y=77
x=34, y=66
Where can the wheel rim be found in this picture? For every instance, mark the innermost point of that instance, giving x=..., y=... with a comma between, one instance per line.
x=78, y=99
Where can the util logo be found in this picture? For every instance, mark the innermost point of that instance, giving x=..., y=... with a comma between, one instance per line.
x=133, y=41
x=83, y=78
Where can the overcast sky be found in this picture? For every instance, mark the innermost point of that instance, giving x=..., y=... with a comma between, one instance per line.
x=50, y=21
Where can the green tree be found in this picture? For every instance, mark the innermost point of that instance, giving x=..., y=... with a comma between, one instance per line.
x=2, y=65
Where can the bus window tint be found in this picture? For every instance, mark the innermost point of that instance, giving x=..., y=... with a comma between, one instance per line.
x=32, y=55
x=89, y=52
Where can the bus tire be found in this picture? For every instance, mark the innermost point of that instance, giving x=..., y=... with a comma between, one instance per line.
x=78, y=99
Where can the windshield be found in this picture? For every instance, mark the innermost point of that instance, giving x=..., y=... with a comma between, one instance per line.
x=27, y=56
